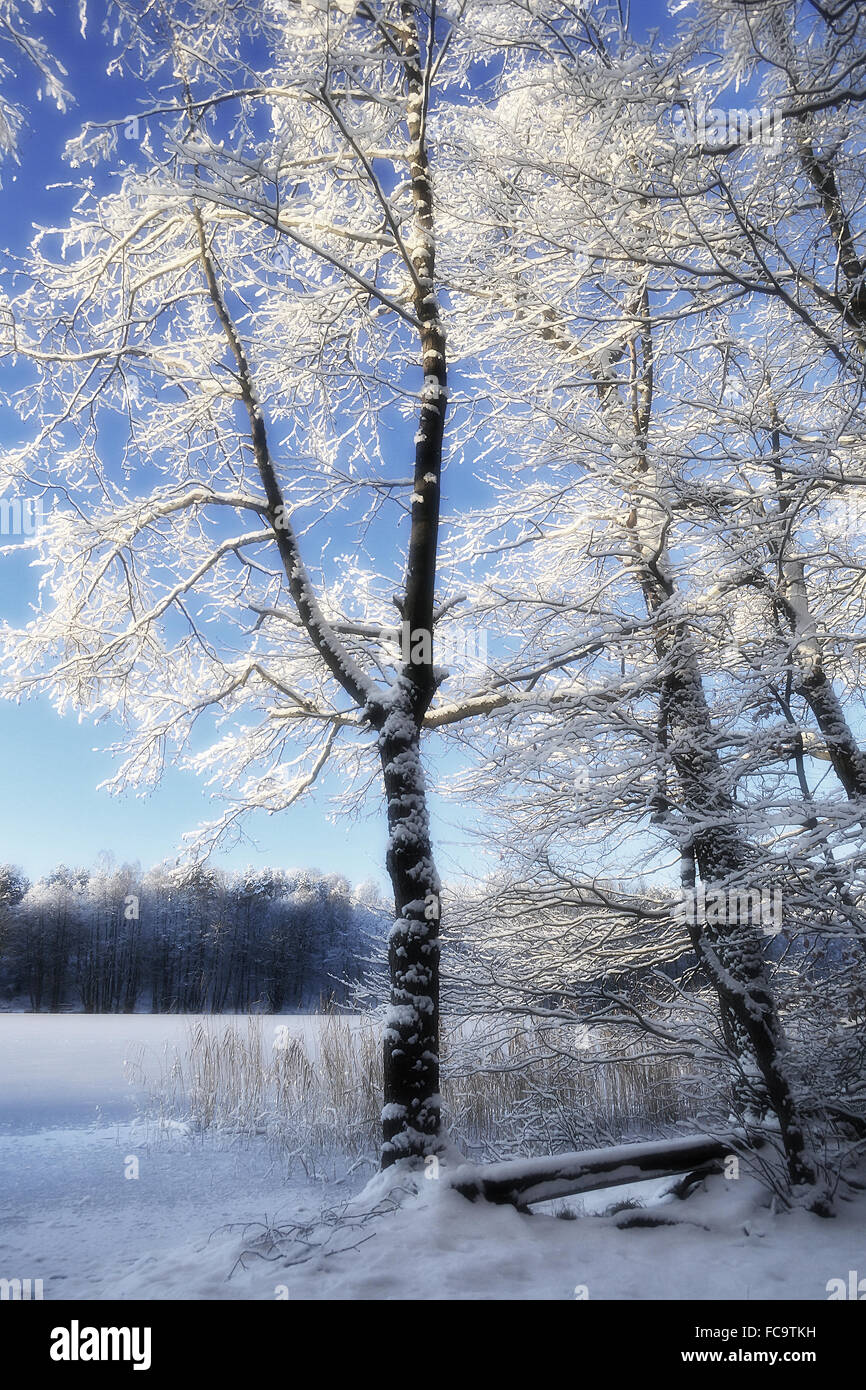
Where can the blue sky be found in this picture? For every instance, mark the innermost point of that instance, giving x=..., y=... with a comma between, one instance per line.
x=52, y=810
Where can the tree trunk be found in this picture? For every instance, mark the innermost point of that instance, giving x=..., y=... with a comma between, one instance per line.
x=396, y=712
x=731, y=951
x=410, y=1118
x=522, y=1181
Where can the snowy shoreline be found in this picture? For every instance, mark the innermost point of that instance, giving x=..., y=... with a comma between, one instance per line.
x=75, y=1216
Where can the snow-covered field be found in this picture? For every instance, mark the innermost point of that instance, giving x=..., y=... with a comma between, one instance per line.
x=72, y=1217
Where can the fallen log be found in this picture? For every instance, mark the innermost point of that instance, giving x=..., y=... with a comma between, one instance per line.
x=522, y=1181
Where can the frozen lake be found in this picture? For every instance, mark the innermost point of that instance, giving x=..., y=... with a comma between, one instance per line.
x=72, y=1069
x=70, y=1123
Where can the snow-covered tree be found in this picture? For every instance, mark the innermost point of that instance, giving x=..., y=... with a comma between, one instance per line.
x=21, y=45
x=657, y=332
x=235, y=343
x=615, y=318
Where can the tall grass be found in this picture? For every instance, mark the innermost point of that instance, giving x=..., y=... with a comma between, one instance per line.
x=317, y=1093
x=527, y=1089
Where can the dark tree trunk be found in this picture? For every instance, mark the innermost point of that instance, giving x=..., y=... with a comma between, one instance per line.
x=731, y=951
x=848, y=761
x=411, y=1046
x=410, y=1119
x=411, y=1114
x=522, y=1181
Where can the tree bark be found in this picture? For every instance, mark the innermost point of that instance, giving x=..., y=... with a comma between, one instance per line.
x=411, y=1114
x=731, y=952
x=410, y=1118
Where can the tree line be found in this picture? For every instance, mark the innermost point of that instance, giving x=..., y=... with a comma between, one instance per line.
x=181, y=941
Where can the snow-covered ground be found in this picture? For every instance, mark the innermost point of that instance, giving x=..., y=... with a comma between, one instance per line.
x=71, y=1216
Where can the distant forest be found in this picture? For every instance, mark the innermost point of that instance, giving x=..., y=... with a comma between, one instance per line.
x=113, y=940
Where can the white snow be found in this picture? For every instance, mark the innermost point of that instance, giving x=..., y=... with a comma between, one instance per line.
x=74, y=1219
